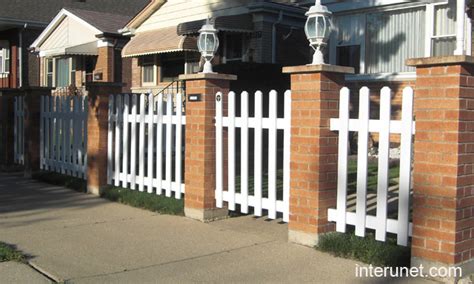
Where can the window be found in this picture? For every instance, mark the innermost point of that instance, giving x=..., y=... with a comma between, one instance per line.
x=171, y=67
x=73, y=71
x=233, y=47
x=443, y=35
x=349, y=56
x=62, y=72
x=148, y=70
x=4, y=57
x=49, y=72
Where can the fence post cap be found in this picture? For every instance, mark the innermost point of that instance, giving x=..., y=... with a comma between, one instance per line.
x=208, y=76
x=440, y=60
x=318, y=68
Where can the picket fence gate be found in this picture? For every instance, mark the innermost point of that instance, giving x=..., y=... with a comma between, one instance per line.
x=272, y=123
x=63, y=135
x=384, y=127
x=140, y=143
x=19, y=130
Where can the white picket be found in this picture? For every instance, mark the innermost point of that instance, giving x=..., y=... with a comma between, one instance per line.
x=18, y=130
x=141, y=146
x=118, y=134
x=150, y=151
x=42, y=126
x=63, y=145
x=383, y=167
x=258, y=154
x=231, y=151
x=178, y=137
x=272, y=155
x=384, y=127
x=273, y=203
x=286, y=158
x=149, y=121
x=169, y=125
x=110, y=140
x=405, y=167
x=126, y=140
x=244, y=152
x=133, y=146
x=362, y=150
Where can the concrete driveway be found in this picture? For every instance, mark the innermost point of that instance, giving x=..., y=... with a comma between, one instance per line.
x=83, y=239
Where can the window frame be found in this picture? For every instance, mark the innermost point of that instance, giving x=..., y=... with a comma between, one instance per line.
x=47, y=73
x=5, y=57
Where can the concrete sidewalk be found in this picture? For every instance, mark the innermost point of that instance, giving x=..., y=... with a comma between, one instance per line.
x=83, y=239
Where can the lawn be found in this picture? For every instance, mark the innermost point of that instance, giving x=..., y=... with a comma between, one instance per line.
x=10, y=253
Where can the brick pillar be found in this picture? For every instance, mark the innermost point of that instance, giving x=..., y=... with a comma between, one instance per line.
x=32, y=127
x=443, y=175
x=313, y=158
x=200, y=160
x=7, y=122
x=105, y=63
x=97, y=130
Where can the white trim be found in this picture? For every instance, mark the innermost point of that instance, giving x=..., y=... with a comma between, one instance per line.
x=429, y=28
x=401, y=76
x=55, y=23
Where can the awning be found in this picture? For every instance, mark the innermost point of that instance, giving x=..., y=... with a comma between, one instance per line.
x=237, y=23
x=89, y=48
x=159, y=41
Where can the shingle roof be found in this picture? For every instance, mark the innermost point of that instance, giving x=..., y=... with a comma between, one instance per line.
x=105, y=22
x=43, y=11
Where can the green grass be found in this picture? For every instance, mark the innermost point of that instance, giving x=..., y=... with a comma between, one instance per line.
x=372, y=168
x=10, y=253
x=152, y=202
x=148, y=201
x=76, y=184
x=366, y=249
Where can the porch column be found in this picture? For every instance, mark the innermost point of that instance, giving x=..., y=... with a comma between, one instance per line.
x=200, y=161
x=313, y=156
x=97, y=130
x=443, y=175
x=7, y=122
x=32, y=127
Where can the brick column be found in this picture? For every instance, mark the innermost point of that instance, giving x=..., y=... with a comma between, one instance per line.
x=200, y=163
x=443, y=175
x=32, y=127
x=97, y=130
x=313, y=158
x=7, y=122
x=105, y=63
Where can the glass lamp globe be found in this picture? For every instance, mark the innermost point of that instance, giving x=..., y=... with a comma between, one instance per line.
x=318, y=28
x=208, y=43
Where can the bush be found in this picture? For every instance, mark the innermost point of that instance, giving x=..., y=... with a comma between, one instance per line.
x=148, y=201
x=366, y=249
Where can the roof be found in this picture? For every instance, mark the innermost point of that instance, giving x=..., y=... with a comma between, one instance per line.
x=43, y=11
x=105, y=22
x=163, y=40
x=234, y=23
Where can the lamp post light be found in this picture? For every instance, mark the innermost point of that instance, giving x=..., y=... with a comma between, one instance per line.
x=208, y=43
x=318, y=28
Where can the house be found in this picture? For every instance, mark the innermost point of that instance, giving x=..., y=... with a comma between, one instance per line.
x=80, y=46
x=21, y=22
x=256, y=38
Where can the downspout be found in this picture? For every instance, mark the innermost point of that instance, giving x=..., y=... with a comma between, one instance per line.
x=20, y=55
x=460, y=27
x=274, y=35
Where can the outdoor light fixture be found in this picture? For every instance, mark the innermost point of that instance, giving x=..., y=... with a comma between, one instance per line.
x=208, y=43
x=318, y=27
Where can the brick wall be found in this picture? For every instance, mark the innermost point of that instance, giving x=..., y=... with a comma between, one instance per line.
x=105, y=63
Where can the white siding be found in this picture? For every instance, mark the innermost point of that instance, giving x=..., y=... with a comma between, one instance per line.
x=174, y=12
x=350, y=29
x=393, y=37
x=69, y=32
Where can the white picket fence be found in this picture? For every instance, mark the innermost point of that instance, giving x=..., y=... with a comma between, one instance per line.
x=246, y=197
x=63, y=135
x=19, y=130
x=384, y=126
x=141, y=152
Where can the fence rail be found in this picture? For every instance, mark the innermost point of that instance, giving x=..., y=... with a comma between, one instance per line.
x=141, y=152
x=19, y=130
x=252, y=192
x=63, y=136
x=384, y=127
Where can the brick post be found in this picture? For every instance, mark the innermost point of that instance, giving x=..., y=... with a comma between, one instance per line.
x=105, y=63
x=200, y=163
x=7, y=122
x=32, y=127
x=313, y=158
x=97, y=130
x=443, y=175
